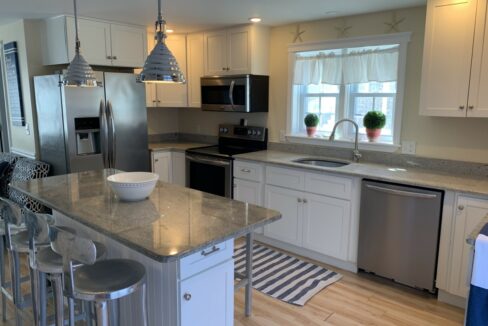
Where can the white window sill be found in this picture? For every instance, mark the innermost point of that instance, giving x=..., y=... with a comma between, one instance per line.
x=324, y=141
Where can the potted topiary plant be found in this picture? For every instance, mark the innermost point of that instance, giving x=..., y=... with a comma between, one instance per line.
x=374, y=121
x=311, y=121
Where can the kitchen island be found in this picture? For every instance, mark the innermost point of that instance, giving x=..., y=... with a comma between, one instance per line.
x=184, y=238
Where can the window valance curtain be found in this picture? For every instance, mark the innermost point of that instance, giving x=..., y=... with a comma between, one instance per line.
x=364, y=66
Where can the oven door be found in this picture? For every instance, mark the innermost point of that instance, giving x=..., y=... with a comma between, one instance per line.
x=209, y=174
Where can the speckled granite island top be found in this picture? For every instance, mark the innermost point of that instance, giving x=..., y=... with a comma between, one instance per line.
x=174, y=222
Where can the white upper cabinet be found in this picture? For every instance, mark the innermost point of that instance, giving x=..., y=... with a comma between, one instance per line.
x=240, y=50
x=454, y=82
x=194, y=56
x=102, y=43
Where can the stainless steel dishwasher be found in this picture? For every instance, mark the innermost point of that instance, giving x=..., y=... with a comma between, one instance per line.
x=399, y=232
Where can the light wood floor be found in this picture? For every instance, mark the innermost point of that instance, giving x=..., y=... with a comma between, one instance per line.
x=354, y=300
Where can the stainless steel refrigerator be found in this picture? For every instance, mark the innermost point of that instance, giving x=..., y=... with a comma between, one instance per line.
x=83, y=129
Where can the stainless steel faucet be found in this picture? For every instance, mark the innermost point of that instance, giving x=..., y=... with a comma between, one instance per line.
x=355, y=152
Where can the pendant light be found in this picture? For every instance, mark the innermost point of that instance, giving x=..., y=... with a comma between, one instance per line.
x=79, y=73
x=161, y=65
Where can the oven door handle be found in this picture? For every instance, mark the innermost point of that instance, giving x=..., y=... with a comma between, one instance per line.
x=200, y=159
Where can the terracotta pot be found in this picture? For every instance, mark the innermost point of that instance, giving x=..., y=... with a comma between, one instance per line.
x=311, y=131
x=373, y=134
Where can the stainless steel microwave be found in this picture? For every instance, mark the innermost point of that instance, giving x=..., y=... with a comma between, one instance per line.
x=239, y=93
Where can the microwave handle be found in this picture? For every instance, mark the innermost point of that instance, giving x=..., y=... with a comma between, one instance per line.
x=231, y=93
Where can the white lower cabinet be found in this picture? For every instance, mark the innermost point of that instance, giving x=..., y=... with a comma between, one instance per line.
x=170, y=166
x=248, y=191
x=326, y=224
x=289, y=203
x=208, y=298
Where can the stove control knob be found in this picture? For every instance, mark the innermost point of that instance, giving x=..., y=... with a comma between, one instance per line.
x=258, y=133
x=249, y=132
x=221, y=130
x=226, y=130
x=254, y=133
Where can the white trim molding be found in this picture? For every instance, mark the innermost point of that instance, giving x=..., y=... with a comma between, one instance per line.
x=318, y=141
x=24, y=153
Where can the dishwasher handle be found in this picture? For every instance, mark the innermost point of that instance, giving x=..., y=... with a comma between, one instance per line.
x=402, y=192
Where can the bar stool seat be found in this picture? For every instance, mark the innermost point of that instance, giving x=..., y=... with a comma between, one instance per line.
x=108, y=279
x=20, y=242
x=50, y=262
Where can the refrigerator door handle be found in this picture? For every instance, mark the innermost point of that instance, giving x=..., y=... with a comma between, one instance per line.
x=113, y=146
x=104, y=134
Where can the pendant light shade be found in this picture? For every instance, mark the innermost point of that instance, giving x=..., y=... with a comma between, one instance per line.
x=79, y=73
x=161, y=65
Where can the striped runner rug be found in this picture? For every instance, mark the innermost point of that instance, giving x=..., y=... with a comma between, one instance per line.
x=282, y=276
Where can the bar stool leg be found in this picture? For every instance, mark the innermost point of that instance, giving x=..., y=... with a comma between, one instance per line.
x=71, y=310
x=114, y=312
x=144, y=305
x=86, y=306
x=42, y=299
x=58, y=299
x=15, y=277
x=3, y=282
x=34, y=282
x=102, y=313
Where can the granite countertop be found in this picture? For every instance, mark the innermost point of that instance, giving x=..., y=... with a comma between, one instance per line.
x=174, y=222
x=471, y=240
x=410, y=176
x=177, y=146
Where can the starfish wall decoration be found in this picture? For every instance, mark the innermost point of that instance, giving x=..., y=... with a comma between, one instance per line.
x=343, y=29
x=393, y=24
x=297, y=34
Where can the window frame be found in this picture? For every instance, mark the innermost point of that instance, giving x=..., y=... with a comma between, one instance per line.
x=293, y=123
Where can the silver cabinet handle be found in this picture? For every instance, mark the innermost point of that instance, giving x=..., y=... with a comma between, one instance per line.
x=402, y=192
x=461, y=107
x=211, y=251
x=109, y=57
x=187, y=296
x=299, y=200
x=156, y=160
x=461, y=207
x=471, y=107
x=114, y=57
x=246, y=170
x=305, y=201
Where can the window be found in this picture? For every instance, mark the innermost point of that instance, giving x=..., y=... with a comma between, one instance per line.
x=346, y=79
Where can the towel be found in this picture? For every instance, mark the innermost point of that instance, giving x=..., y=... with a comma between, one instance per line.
x=477, y=314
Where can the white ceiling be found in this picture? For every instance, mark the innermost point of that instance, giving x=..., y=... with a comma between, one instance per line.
x=192, y=15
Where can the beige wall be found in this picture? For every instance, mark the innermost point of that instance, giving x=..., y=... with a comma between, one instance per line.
x=29, y=56
x=449, y=138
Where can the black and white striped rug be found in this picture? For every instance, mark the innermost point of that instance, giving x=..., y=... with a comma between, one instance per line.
x=282, y=276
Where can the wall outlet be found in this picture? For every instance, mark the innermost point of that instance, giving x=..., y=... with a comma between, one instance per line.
x=408, y=147
x=282, y=136
x=27, y=129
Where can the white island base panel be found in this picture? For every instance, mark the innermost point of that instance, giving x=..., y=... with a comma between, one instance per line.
x=195, y=290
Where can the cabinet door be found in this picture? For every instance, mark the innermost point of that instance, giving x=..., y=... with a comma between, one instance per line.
x=248, y=191
x=95, y=40
x=469, y=212
x=215, y=53
x=174, y=95
x=239, y=51
x=178, y=168
x=195, y=64
x=478, y=87
x=448, y=49
x=161, y=164
x=289, y=204
x=326, y=225
x=209, y=297
x=128, y=45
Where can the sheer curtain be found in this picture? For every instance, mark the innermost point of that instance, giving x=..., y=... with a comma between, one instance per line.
x=354, y=67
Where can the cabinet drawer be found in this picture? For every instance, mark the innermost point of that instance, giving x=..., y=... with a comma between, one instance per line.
x=248, y=171
x=328, y=185
x=287, y=178
x=206, y=258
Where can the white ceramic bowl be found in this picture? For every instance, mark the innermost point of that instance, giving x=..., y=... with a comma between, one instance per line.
x=133, y=186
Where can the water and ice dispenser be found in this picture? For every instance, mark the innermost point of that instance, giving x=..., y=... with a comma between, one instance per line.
x=87, y=135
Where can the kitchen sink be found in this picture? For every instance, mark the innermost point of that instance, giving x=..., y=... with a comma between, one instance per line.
x=321, y=162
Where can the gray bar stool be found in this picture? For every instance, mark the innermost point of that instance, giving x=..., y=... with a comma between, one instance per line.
x=48, y=264
x=98, y=282
x=17, y=244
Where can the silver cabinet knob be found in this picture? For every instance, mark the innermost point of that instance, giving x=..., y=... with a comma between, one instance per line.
x=223, y=68
x=471, y=107
x=299, y=200
x=461, y=207
x=461, y=107
x=109, y=57
x=305, y=201
x=114, y=57
x=156, y=160
x=187, y=296
x=246, y=170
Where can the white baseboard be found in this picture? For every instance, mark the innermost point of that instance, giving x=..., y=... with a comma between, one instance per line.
x=22, y=152
x=345, y=265
x=452, y=299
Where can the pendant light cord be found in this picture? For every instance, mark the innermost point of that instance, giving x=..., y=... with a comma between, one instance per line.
x=160, y=25
x=77, y=39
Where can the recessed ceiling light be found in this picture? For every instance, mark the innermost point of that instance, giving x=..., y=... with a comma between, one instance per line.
x=169, y=31
x=255, y=19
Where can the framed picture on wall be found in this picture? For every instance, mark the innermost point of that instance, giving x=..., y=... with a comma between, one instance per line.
x=14, y=89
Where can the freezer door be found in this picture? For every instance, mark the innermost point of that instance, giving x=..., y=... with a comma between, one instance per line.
x=127, y=116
